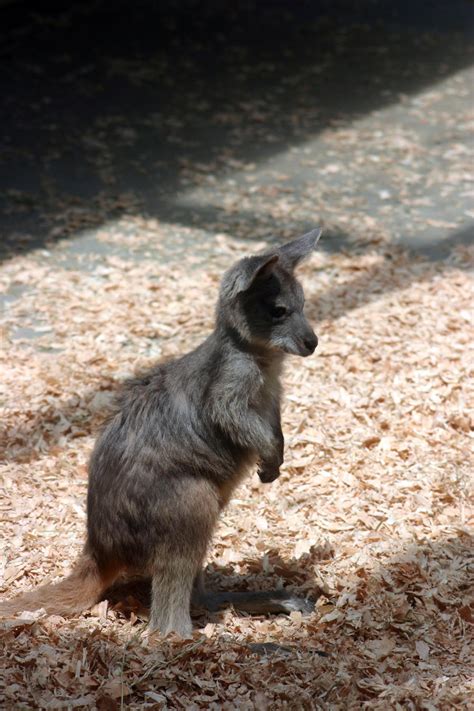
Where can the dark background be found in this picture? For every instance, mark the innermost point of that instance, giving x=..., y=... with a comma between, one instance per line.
x=113, y=108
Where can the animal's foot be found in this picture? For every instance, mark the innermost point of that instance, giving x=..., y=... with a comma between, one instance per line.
x=181, y=626
x=293, y=603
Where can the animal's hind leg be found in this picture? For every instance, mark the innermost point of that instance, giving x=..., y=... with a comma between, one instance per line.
x=180, y=557
x=198, y=595
x=171, y=589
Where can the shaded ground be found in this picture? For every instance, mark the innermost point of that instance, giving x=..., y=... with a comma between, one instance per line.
x=257, y=120
x=144, y=149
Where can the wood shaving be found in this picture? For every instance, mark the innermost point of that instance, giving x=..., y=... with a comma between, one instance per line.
x=373, y=504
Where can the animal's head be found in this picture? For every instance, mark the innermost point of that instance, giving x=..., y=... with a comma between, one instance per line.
x=261, y=299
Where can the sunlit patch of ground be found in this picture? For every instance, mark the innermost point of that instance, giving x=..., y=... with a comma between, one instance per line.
x=373, y=505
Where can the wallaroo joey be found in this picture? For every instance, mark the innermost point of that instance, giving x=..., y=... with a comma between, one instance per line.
x=182, y=437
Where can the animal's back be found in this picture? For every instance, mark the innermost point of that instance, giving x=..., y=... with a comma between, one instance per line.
x=159, y=441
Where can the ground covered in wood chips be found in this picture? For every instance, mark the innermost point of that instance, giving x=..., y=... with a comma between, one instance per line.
x=119, y=217
x=372, y=506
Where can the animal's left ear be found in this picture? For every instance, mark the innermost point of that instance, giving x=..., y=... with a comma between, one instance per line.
x=294, y=252
x=256, y=268
x=246, y=273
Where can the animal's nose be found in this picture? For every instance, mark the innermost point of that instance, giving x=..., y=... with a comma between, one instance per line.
x=311, y=343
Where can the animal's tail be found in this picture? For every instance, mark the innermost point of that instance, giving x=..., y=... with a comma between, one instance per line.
x=80, y=590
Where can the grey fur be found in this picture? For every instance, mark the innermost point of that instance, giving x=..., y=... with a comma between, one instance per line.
x=185, y=433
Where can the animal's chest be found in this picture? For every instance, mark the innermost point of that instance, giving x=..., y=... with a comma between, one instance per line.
x=266, y=394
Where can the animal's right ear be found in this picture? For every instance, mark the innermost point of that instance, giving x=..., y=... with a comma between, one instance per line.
x=299, y=249
x=249, y=271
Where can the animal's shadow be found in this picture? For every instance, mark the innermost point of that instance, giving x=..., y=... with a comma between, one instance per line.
x=290, y=586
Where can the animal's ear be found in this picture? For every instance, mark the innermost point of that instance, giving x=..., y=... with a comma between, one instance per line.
x=256, y=269
x=294, y=252
x=248, y=272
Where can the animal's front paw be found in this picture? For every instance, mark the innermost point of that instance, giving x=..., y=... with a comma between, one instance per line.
x=268, y=473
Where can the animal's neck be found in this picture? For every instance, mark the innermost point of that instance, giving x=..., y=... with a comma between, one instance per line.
x=266, y=358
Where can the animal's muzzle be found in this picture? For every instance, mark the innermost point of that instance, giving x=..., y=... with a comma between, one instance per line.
x=310, y=343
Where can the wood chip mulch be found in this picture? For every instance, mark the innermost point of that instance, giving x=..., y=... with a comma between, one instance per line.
x=374, y=506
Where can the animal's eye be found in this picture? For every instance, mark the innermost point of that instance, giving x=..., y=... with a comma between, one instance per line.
x=278, y=311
